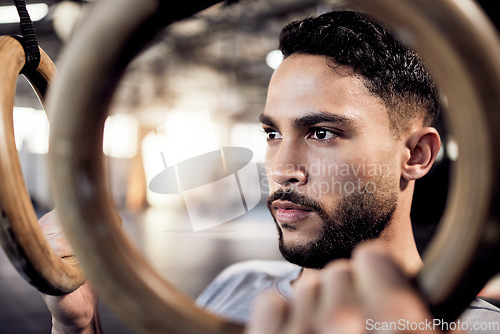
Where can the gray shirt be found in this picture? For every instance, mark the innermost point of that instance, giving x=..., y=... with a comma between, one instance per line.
x=233, y=291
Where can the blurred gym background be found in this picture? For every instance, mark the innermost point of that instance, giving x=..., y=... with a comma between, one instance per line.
x=218, y=61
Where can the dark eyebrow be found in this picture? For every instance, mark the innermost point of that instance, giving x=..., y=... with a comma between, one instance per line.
x=309, y=120
x=266, y=120
x=320, y=117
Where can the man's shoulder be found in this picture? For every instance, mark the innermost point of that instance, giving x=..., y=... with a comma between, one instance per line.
x=481, y=317
x=248, y=275
x=232, y=292
x=257, y=268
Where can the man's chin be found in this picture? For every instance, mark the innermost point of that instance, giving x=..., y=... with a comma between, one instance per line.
x=298, y=240
x=310, y=255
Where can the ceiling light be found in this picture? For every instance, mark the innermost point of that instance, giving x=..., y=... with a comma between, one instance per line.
x=37, y=11
x=274, y=59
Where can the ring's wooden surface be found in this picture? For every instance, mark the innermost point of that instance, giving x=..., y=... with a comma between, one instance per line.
x=461, y=47
x=90, y=69
x=20, y=235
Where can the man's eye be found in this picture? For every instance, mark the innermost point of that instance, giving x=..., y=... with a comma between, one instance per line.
x=272, y=134
x=322, y=134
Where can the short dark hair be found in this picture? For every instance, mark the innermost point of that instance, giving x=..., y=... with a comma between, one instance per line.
x=388, y=68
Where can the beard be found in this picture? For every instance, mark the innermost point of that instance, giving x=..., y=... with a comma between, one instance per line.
x=359, y=216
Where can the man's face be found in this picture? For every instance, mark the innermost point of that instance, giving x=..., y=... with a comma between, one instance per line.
x=331, y=161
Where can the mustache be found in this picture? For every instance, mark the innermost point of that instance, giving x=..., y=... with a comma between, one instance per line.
x=294, y=197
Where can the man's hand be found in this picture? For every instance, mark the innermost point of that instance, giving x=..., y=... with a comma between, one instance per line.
x=71, y=313
x=348, y=296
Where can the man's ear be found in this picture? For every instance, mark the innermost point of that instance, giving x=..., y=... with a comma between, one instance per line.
x=423, y=146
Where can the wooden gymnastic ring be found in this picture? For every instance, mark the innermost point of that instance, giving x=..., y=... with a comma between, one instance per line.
x=94, y=62
x=461, y=47
x=20, y=235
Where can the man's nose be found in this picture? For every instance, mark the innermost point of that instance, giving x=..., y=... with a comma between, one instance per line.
x=288, y=168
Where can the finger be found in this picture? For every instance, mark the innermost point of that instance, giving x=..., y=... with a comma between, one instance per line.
x=337, y=310
x=268, y=314
x=49, y=223
x=52, y=229
x=387, y=294
x=336, y=286
x=304, y=304
x=60, y=245
x=372, y=263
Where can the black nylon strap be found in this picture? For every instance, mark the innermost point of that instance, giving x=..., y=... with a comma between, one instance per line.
x=29, y=42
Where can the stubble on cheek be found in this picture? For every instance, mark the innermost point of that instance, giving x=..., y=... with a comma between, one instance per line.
x=342, y=221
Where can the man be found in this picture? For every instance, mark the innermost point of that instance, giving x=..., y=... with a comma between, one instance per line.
x=349, y=118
